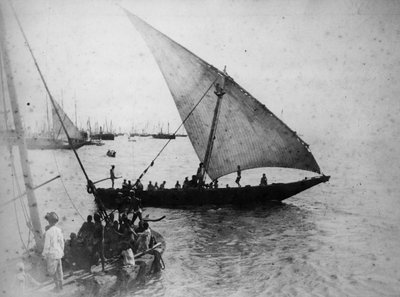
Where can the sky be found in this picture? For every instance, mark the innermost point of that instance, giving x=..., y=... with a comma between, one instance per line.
x=328, y=69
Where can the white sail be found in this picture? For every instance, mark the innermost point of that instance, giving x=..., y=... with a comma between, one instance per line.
x=248, y=134
x=59, y=133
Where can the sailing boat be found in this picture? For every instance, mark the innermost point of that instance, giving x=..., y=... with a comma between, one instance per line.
x=57, y=138
x=227, y=127
x=104, y=135
x=162, y=135
x=80, y=282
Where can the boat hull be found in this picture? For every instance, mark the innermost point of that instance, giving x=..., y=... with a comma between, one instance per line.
x=50, y=144
x=164, y=136
x=103, y=136
x=181, y=198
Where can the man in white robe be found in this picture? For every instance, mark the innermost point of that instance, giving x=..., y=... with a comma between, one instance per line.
x=53, y=250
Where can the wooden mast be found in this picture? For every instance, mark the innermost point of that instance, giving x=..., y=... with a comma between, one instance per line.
x=219, y=91
x=20, y=139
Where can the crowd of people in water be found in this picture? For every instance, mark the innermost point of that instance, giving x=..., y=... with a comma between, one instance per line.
x=197, y=181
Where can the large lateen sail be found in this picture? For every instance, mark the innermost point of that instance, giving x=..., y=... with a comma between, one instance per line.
x=247, y=134
x=59, y=133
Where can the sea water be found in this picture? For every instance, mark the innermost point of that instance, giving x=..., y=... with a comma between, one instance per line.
x=341, y=238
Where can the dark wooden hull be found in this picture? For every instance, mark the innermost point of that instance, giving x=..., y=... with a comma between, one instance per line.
x=164, y=136
x=104, y=136
x=181, y=198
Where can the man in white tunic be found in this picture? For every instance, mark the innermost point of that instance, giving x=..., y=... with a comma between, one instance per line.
x=53, y=250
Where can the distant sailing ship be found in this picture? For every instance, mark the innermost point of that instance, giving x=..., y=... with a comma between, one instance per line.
x=56, y=139
x=103, y=135
x=227, y=127
x=162, y=135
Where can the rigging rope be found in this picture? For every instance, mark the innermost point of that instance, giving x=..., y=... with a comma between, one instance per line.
x=89, y=182
x=69, y=197
x=176, y=131
x=48, y=92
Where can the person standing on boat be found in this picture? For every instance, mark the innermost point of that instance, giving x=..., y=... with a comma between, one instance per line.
x=98, y=240
x=85, y=235
x=200, y=174
x=239, y=176
x=177, y=185
x=110, y=238
x=87, y=228
x=112, y=176
x=53, y=250
x=263, y=181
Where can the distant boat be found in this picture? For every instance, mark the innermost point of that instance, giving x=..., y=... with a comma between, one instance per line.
x=57, y=139
x=162, y=135
x=111, y=153
x=49, y=143
x=227, y=127
x=103, y=136
x=99, y=143
x=96, y=142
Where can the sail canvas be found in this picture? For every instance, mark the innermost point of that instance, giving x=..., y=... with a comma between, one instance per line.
x=73, y=131
x=248, y=133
